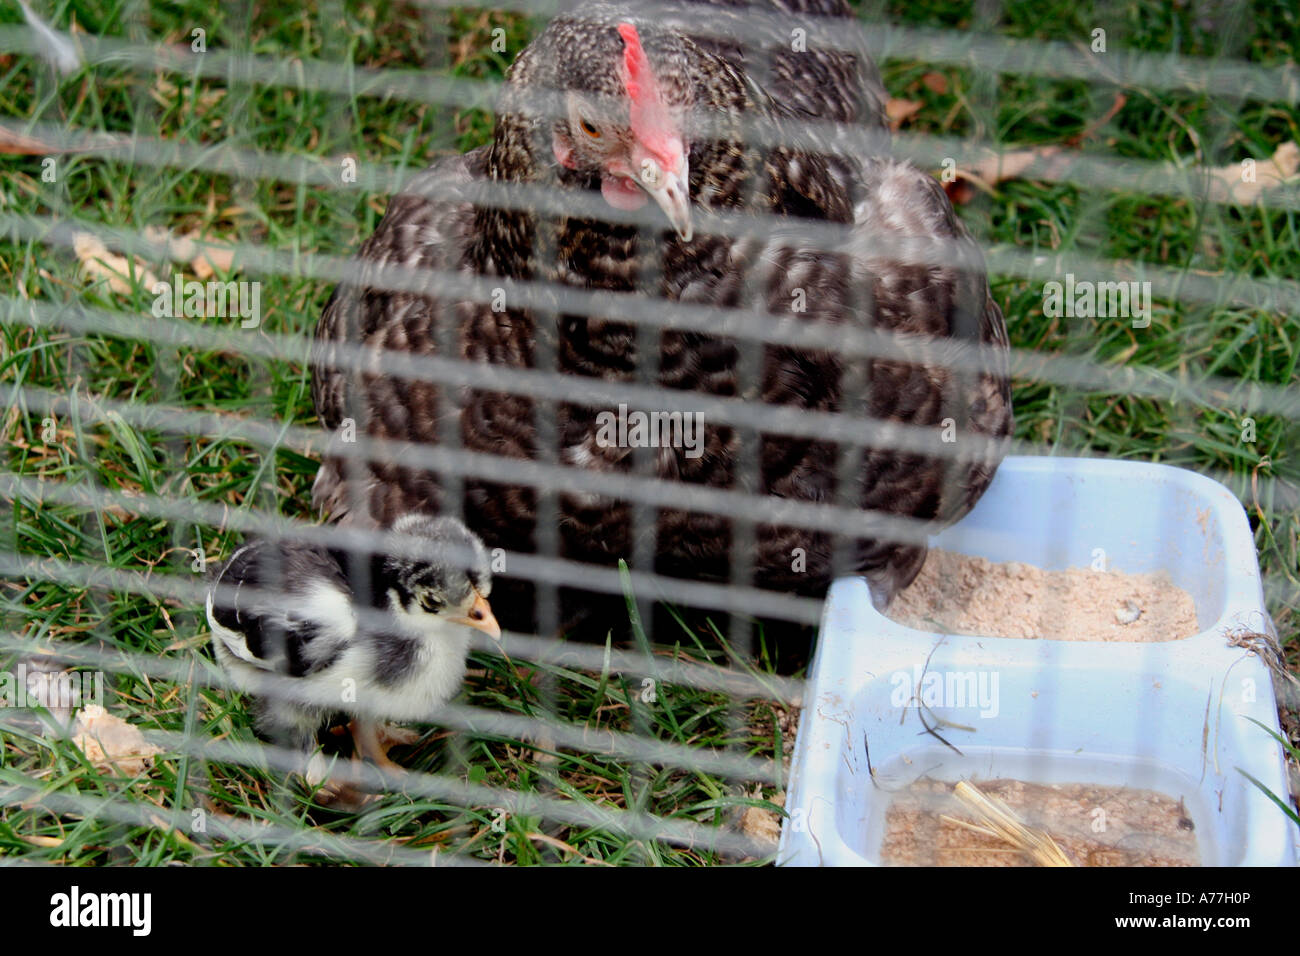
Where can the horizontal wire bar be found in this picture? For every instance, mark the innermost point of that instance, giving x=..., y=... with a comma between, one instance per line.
x=890, y=435
x=681, y=496
x=770, y=327
x=629, y=823
x=1072, y=167
x=1222, y=76
x=271, y=527
x=186, y=590
x=220, y=826
x=474, y=720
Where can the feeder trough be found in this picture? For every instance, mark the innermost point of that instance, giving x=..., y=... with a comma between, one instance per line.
x=1173, y=717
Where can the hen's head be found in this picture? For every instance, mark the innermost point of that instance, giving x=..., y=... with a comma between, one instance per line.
x=619, y=93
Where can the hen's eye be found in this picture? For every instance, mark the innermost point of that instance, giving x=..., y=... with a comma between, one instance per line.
x=430, y=604
x=589, y=129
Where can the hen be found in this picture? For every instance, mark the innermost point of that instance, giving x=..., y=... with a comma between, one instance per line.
x=609, y=104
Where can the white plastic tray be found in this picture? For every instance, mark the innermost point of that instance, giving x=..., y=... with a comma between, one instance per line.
x=1170, y=716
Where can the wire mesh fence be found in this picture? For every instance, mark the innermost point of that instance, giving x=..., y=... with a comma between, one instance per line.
x=184, y=188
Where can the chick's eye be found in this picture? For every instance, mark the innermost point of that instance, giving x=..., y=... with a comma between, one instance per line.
x=430, y=604
x=589, y=129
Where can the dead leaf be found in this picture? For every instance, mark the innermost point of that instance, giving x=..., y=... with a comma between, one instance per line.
x=996, y=167
x=999, y=167
x=900, y=111
x=98, y=263
x=20, y=144
x=205, y=259
x=16, y=144
x=935, y=82
x=760, y=823
x=44, y=841
x=211, y=260
x=1228, y=184
x=109, y=741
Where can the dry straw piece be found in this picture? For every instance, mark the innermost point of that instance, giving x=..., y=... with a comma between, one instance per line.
x=999, y=822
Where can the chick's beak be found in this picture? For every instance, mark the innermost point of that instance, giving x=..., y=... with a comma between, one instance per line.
x=671, y=190
x=480, y=616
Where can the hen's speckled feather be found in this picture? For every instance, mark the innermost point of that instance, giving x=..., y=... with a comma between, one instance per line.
x=883, y=199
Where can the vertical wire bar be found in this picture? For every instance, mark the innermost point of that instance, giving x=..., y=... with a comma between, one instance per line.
x=747, y=477
x=437, y=25
x=192, y=775
x=855, y=372
x=547, y=325
x=644, y=518
x=135, y=17
x=241, y=94
x=1214, y=136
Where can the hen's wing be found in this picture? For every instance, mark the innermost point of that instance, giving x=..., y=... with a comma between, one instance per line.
x=941, y=312
x=426, y=227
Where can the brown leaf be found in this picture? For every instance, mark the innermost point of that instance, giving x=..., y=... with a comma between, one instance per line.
x=994, y=168
x=900, y=111
x=1227, y=183
x=98, y=263
x=999, y=167
x=16, y=144
x=935, y=82
x=109, y=741
x=20, y=144
x=211, y=260
x=760, y=823
x=204, y=258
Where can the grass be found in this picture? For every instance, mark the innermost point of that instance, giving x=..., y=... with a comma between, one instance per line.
x=1186, y=341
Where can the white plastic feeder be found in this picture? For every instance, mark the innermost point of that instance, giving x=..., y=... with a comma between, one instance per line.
x=1169, y=716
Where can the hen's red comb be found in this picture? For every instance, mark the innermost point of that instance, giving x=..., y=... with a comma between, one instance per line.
x=639, y=79
x=648, y=115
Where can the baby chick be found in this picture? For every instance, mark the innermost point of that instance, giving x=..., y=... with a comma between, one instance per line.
x=312, y=631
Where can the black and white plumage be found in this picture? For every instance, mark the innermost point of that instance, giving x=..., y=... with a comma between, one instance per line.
x=935, y=309
x=313, y=631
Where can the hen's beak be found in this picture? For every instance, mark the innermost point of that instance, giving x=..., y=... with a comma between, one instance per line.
x=480, y=616
x=671, y=191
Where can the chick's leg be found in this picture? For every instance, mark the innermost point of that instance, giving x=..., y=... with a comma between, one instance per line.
x=332, y=790
x=373, y=740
